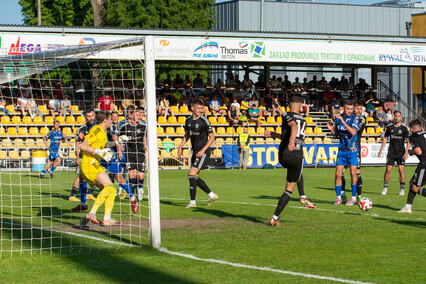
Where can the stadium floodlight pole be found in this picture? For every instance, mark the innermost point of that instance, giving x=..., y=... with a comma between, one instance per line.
x=153, y=180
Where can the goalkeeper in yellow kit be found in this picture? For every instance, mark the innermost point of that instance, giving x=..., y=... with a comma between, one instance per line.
x=93, y=150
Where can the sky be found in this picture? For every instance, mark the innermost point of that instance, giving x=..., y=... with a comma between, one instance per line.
x=10, y=12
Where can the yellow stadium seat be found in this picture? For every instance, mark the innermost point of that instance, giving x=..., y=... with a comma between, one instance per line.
x=30, y=143
x=27, y=120
x=167, y=140
x=75, y=109
x=363, y=140
x=185, y=153
x=12, y=131
x=25, y=154
x=217, y=153
x=81, y=120
x=38, y=120
x=170, y=131
x=309, y=120
x=161, y=120
x=230, y=131
x=251, y=130
x=269, y=140
x=308, y=140
x=159, y=142
x=33, y=131
x=260, y=130
x=19, y=143
x=48, y=119
x=180, y=131
x=184, y=109
x=318, y=140
x=371, y=140
x=177, y=142
x=379, y=130
x=318, y=130
x=220, y=131
x=270, y=120
x=240, y=130
x=67, y=131
x=43, y=109
x=7, y=143
x=3, y=155
x=181, y=119
x=270, y=128
x=160, y=131
x=172, y=120
x=370, y=130
x=369, y=120
x=279, y=120
x=5, y=120
x=11, y=109
x=16, y=120
x=44, y=130
x=259, y=140
x=70, y=120
x=222, y=120
x=229, y=141
x=2, y=131
x=219, y=141
x=175, y=109
x=278, y=130
x=309, y=131
x=327, y=140
x=61, y=119
x=23, y=131
x=72, y=154
x=213, y=120
x=14, y=155
x=40, y=143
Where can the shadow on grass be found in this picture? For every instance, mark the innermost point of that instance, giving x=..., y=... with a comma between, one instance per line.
x=419, y=224
x=107, y=263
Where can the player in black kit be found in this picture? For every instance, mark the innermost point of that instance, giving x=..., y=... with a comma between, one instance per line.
x=397, y=153
x=199, y=130
x=418, y=144
x=133, y=132
x=290, y=153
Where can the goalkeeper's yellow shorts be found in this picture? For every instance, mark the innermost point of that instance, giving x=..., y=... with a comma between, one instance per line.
x=90, y=170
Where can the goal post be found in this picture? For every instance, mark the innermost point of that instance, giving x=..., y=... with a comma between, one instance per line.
x=35, y=213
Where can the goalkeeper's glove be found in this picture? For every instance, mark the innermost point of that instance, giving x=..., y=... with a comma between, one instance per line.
x=105, y=154
x=123, y=139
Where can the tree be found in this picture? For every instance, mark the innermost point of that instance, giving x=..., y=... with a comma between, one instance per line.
x=99, y=12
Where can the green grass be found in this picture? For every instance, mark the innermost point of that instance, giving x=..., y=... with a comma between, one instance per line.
x=380, y=246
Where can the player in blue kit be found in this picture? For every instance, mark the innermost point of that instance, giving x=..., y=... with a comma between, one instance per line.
x=54, y=137
x=346, y=127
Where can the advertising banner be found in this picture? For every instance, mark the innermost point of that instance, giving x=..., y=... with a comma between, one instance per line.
x=314, y=155
x=229, y=49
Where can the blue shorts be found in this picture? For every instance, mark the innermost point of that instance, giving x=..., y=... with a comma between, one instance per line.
x=53, y=155
x=347, y=158
x=113, y=166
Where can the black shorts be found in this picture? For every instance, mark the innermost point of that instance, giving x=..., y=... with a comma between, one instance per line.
x=419, y=178
x=135, y=162
x=392, y=158
x=293, y=162
x=200, y=162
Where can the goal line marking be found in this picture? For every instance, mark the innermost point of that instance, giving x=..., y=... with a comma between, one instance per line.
x=239, y=265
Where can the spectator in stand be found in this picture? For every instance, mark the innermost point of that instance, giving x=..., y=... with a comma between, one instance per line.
x=178, y=98
x=255, y=115
x=220, y=89
x=139, y=93
x=208, y=88
x=296, y=86
x=313, y=87
x=254, y=100
x=243, y=119
x=158, y=83
x=214, y=106
x=390, y=116
x=382, y=117
x=233, y=117
x=54, y=106
x=106, y=103
x=323, y=84
x=327, y=98
x=276, y=107
x=362, y=85
x=236, y=104
x=345, y=93
x=259, y=86
x=57, y=91
x=333, y=83
x=343, y=83
x=305, y=85
x=33, y=109
x=231, y=86
x=198, y=82
x=3, y=105
x=26, y=88
x=247, y=85
x=286, y=84
x=371, y=104
x=245, y=103
x=275, y=83
x=80, y=89
x=336, y=107
x=165, y=107
x=389, y=104
x=126, y=103
x=178, y=82
x=65, y=107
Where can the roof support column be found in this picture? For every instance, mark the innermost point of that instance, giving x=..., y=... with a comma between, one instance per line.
x=374, y=77
x=267, y=70
x=423, y=93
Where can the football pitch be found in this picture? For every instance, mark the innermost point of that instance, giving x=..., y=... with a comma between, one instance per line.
x=231, y=241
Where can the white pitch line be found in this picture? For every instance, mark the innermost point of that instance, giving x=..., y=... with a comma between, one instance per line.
x=239, y=265
x=70, y=233
x=304, y=208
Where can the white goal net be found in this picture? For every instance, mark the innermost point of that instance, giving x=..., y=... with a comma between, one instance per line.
x=38, y=189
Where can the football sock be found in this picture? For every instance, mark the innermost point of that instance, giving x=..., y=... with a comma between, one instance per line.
x=343, y=182
x=109, y=202
x=275, y=217
x=43, y=172
x=354, y=188
x=402, y=184
x=411, y=195
x=359, y=183
x=102, y=196
x=282, y=203
x=74, y=191
x=338, y=189
x=192, y=186
x=201, y=184
x=300, y=187
x=211, y=194
x=385, y=184
x=134, y=184
x=422, y=192
x=141, y=181
x=128, y=189
x=52, y=169
x=83, y=191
